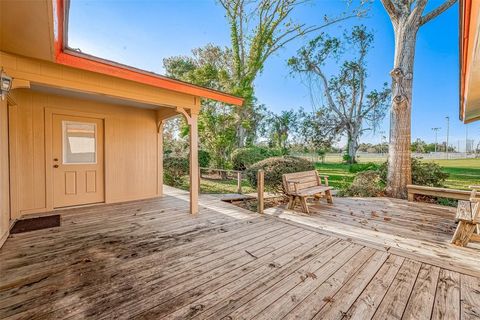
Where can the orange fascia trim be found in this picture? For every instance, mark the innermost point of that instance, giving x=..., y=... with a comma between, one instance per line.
x=102, y=66
x=465, y=13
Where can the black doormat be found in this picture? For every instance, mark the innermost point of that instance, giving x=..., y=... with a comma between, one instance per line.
x=32, y=224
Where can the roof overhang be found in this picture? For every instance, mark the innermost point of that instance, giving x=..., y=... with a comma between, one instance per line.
x=38, y=29
x=469, y=61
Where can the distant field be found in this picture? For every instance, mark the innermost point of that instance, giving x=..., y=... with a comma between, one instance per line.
x=462, y=172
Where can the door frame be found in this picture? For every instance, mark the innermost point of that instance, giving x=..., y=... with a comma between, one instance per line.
x=49, y=112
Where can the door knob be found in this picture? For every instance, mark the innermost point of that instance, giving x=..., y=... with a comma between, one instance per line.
x=55, y=159
x=55, y=165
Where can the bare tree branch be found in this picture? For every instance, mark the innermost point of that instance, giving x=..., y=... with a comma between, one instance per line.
x=437, y=11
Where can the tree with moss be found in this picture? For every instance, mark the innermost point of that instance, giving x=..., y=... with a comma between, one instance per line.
x=407, y=17
x=258, y=29
x=348, y=108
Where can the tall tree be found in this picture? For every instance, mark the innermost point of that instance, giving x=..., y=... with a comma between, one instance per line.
x=407, y=17
x=348, y=104
x=315, y=130
x=209, y=66
x=281, y=127
x=257, y=30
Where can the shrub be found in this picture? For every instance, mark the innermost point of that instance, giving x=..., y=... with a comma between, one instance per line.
x=423, y=173
x=174, y=169
x=365, y=184
x=242, y=158
x=203, y=158
x=359, y=167
x=346, y=158
x=274, y=169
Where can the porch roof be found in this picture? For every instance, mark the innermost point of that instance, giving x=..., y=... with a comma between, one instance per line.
x=44, y=37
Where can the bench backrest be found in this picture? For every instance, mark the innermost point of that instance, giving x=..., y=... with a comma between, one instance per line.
x=308, y=179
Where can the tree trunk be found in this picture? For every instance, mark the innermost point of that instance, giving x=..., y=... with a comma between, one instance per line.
x=399, y=156
x=352, y=149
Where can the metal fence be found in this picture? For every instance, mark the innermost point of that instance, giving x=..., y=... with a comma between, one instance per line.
x=380, y=157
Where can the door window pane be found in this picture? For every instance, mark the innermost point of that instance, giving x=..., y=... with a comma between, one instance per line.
x=79, y=142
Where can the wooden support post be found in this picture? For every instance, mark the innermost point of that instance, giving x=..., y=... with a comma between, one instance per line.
x=239, y=182
x=199, y=180
x=194, y=171
x=160, y=159
x=260, y=190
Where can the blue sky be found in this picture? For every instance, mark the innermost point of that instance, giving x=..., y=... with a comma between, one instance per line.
x=142, y=33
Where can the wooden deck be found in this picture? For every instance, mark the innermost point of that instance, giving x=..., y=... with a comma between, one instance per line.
x=416, y=230
x=152, y=260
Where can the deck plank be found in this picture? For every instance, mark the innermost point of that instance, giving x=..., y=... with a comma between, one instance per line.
x=341, y=302
x=447, y=298
x=396, y=299
x=470, y=297
x=421, y=300
x=334, y=268
x=371, y=297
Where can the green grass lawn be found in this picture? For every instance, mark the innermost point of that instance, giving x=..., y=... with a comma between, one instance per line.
x=338, y=175
x=462, y=173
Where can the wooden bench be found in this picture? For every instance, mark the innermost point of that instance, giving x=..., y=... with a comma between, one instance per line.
x=301, y=185
x=437, y=192
x=468, y=217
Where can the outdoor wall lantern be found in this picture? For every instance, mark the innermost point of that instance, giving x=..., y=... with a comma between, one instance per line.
x=5, y=84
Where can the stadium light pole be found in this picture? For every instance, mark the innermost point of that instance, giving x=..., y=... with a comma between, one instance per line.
x=448, y=129
x=436, y=136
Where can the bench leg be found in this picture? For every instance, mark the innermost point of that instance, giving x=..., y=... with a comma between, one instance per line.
x=303, y=202
x=328, y=195
x=463, y=233
x=291, y=202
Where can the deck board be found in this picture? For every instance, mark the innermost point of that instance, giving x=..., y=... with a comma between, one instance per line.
x=150, y=259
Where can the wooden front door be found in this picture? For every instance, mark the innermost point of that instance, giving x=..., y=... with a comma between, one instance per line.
x=78, y=166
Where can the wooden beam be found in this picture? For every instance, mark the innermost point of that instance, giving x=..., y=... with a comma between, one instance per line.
x=20, y=84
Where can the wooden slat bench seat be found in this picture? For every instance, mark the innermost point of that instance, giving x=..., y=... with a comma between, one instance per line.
x=300, y=185
x=468, y=217
x=437, y=192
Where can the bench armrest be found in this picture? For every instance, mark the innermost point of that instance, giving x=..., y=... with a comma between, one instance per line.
x=325, y=177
